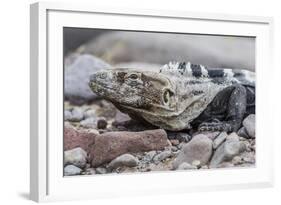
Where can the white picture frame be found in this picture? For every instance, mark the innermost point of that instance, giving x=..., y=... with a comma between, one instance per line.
x=46, y=155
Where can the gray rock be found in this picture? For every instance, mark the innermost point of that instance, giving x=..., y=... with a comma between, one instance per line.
x=226, y=151
x=125, y=160
x=232, y=136
x=250, y=125
x=211, y=135
x=219, y=139
x=89, y=123
x=90, y=171
x=102, y=123
x=67, y=115
x=186, y=166
x=248, y=157
x=162, y=156
x=101, y=170
x=90, y=113
x=199, y=148
x=196, y=163
x=77, y=75
x=149, y=156
x=237, y=160
x=76, y=157
x=71, y=170
x=225, y=165
x=242, y=132
x=76, y=115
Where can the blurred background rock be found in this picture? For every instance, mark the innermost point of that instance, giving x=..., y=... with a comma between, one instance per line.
x=115, y=47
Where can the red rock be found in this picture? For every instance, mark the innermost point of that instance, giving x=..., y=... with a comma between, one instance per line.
x=74, y=138
x=110, y=145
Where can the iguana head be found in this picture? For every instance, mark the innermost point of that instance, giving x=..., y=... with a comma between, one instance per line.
x=135, y=90
x=170, y=98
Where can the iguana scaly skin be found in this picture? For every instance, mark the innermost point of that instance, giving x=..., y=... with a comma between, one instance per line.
x=180, y=95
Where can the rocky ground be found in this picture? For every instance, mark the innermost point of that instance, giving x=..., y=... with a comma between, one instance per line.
x=99, y=139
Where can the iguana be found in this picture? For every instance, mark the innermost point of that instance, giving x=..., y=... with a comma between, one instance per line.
x=180, y=95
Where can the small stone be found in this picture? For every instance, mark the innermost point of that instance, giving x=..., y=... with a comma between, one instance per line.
x=219, y=139
x=242, y=132
x=90, y=113
x=149, y=156
x=89, y=123
x=199, y=148
x=121, y=118
x=196, y=163
x=205, y=167
x=125, y=160
x=225, y=165
x=90, y=171
x=174, y=149
x=71, y=170
x=233, y=136
x=102, y=123
x=76, y=157
x=186, y=166
x=162, y=156
x=67, y=115
x=76, y=115
x=226, y=151
x=100, y=170
x=250, y=125
x=237, y=160
x=248, y=157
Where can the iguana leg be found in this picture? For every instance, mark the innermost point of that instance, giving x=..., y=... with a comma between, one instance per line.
x=236, y=108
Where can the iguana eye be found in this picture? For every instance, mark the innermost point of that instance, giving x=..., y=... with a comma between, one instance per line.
x=166, y=97
x=133, y=76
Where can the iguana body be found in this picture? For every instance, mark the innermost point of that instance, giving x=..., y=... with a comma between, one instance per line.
x=180, y=96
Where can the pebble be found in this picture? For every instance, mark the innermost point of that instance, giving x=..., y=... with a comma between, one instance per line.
x=67, y=115
x=199, y=148
x=90, y=171
x=226, y=151
x=196, y=163
x=76, y=115
x=126, y=160
x=242, y=132
x=237, y=160
x=250, y=125
x=76, y=157
x=101, y=170
x=186, y=166
x=89, y=123
x=219, y=140
x=102, y=123
x=162, y=156
x=71, y=170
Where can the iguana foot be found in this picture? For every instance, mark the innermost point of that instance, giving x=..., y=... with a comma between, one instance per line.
x=215, y=126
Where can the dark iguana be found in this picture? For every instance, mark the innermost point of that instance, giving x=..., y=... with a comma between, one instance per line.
x=181, y=95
